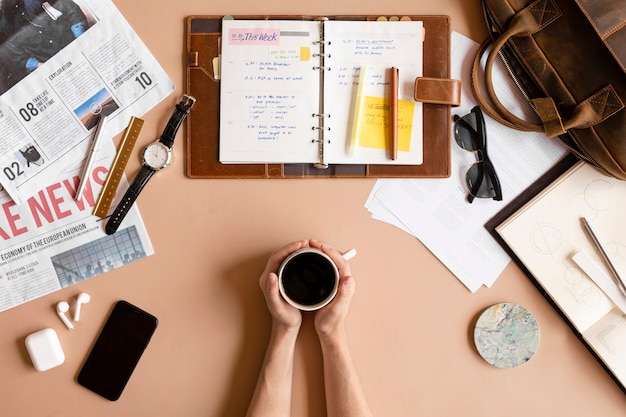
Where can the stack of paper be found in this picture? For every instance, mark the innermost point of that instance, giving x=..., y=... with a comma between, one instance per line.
x=436, y=211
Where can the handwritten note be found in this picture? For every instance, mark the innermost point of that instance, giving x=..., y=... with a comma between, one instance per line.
x=278, y=53
x=283, y=91
x=268, y=90
x=254, y=36
x=269, y=115
x=369, y=47
x=376, y=124
x=376, y=47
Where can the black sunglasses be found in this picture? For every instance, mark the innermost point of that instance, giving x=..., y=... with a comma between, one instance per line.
x=470, y=134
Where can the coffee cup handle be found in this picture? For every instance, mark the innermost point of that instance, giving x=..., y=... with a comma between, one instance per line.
x=349, y=254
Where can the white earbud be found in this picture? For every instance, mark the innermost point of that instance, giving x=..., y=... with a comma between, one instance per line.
x=82, y=298
x=62, y=308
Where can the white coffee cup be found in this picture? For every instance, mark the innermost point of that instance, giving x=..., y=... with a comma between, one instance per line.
x=308, y=279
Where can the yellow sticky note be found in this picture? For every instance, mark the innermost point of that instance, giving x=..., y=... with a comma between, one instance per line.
x=375, y=124
x=305, y=53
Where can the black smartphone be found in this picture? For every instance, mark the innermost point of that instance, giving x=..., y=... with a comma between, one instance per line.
x=117, y=350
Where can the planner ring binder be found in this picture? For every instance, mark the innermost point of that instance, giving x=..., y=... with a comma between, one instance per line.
x=203, y=46
x=321, y=128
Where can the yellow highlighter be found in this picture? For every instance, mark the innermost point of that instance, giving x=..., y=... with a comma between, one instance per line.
x=358, y=111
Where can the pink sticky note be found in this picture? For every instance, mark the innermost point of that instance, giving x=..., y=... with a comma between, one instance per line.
x=256, y=36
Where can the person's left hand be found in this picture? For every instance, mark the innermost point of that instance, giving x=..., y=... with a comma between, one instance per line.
x=283, y=314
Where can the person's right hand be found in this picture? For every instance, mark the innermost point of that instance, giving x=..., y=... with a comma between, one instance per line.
x=330, y=320
x=283, y=314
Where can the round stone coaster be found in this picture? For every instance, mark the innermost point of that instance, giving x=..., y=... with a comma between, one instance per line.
x=506, y=335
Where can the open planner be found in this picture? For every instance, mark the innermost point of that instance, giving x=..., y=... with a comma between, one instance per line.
x=319, y=91
x=310, y=96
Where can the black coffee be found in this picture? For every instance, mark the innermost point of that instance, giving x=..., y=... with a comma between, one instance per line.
x=308, y=278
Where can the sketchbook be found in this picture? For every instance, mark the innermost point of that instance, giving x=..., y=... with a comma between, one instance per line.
x=264, y=81
x=547, y=239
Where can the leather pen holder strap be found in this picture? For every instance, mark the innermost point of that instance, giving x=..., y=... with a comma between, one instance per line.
x=438, y=91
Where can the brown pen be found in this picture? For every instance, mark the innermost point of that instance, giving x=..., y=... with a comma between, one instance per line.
x=394, y=112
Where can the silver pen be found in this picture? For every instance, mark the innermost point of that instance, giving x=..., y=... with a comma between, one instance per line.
x=92, y=152
x=605, y=254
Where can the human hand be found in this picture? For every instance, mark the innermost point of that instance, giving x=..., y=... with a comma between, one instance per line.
x=284, y=315
x=330, y=320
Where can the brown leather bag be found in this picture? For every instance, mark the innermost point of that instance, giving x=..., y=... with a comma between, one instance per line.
x=569, y=59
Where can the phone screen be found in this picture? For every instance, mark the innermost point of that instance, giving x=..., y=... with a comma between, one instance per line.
x=117, y=350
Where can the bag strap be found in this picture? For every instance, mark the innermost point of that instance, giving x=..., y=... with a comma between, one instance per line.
x=437, y=91
x=526, y=22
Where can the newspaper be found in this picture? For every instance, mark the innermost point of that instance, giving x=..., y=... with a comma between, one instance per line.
x=64, y=63
x=52, y=241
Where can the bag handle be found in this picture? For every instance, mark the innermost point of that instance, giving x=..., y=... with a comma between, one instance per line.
x=588, y=113
x=484, y=104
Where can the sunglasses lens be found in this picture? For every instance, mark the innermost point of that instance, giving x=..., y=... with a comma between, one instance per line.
x=466, y=133
x=481, y=178
x=479, y=181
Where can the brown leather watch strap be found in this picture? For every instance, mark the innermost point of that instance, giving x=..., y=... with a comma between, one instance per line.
x=438, y=91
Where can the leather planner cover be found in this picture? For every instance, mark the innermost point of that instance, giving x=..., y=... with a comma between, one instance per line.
x=202, y=41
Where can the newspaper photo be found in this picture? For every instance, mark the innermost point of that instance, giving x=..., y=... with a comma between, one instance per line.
x=65, y=63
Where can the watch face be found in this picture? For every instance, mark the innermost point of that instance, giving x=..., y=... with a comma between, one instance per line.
x=157, y=155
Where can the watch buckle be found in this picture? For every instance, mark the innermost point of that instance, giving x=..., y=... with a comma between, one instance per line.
x=187, y=101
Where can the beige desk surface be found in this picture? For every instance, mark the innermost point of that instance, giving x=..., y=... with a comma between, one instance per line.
x=411, y=321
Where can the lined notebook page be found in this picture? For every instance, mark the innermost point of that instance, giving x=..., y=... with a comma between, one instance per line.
x=378, y=46
x=269, y=91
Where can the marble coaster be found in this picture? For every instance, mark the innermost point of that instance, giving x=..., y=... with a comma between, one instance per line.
x=506, y=335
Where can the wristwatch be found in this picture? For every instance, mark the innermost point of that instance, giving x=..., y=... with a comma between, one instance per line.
x=156, y=156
